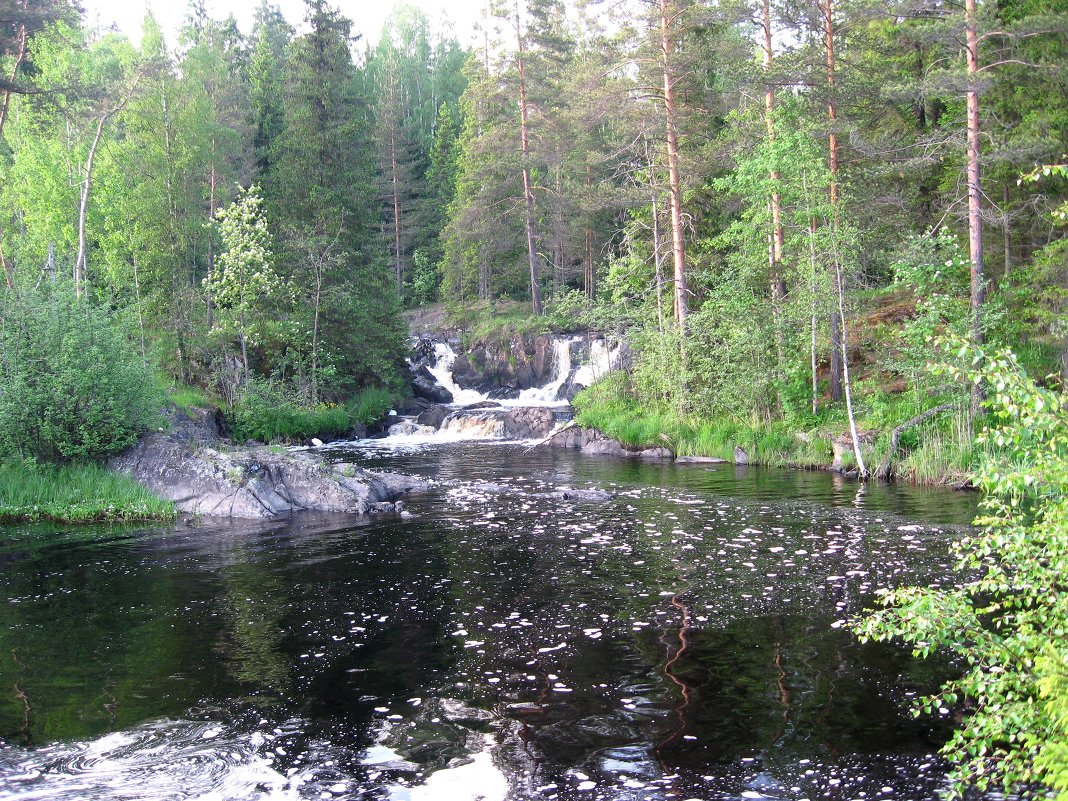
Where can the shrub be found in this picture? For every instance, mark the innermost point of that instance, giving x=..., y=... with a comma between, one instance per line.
x=269, y=412
x=71, y=385
x=1007, y=619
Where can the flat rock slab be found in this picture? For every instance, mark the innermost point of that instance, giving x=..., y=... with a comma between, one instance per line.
x=699, y=460
x=255, y=483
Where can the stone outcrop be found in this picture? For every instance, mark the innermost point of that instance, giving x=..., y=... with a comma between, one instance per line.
x=424, y=386
x=504, y=366
x=593, y=443
x=433, y=416
x=528, y=422
x=842, y=445
x=206, y=476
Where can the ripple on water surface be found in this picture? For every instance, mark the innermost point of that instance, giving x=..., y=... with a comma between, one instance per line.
x=681, y=639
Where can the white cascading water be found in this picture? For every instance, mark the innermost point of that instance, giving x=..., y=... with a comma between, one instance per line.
x=546, y=396
x=475, y=424
x=489, y=423
x=444, y=358
x=603, y=360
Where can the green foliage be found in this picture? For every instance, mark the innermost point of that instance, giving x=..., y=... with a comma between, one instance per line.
x=935, y=269
x=71, y=385
x=186, y=397
x=1008, y=619
x=244, y=283
x=612, y=406
x=269, y=412
x=73, y=493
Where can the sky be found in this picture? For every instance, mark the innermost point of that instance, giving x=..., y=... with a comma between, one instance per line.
x=367, y=15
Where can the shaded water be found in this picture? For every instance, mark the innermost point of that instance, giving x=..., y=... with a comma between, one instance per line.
x=678, y=641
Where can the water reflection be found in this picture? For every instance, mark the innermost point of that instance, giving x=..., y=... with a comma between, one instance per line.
x=677, y=640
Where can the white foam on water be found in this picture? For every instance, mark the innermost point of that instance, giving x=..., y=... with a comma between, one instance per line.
x=477, y=780
x=444, y=358
x=168, y=759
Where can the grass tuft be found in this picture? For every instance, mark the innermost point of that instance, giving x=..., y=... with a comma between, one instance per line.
x=74, y=493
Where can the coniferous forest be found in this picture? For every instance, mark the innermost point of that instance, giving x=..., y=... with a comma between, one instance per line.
x=799, y=224
x=776, y=205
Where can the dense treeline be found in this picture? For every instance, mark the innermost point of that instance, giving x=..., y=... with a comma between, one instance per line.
x=121, y=163
x=749, y=189
x=761, y=193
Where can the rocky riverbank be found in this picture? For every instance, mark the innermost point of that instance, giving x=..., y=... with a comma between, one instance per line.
x=193, y=465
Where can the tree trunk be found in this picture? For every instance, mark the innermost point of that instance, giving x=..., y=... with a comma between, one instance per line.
x=589, y=280
x=244, y=350
x=1006, y=232
x=212, y=180
x=777, y=280
x=975, y=223
x=315, y=334
x=678, y=246
x=657, y=266
x=558, y=228
x=861, y=469
x=885, y=470
x=20, y=54
x=83, y=207
x=528, y=190
x=140, y=314
x=835, y=321
x=398, y=267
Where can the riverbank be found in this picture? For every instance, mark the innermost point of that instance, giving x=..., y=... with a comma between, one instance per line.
x=942, y=454
x=75, y=493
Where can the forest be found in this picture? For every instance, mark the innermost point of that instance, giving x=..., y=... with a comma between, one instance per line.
x=799, y=221
x=778, y=206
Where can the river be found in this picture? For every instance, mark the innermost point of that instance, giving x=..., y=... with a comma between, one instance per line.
x=682, y=640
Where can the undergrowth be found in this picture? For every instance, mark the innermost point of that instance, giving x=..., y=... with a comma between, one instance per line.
x=265, y=415
x=74, y=493
x=938, y=452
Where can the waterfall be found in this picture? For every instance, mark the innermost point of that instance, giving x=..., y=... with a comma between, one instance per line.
x=474, y=424
x=444, y=357
x=546, y=395
x=603, y=360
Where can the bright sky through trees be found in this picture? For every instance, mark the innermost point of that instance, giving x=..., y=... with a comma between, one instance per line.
x=367, y=16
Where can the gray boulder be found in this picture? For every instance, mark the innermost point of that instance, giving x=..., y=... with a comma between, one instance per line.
x=529, y=422
x=223, y=481
x=605, y=447
x=427, y=388
x=433, y=416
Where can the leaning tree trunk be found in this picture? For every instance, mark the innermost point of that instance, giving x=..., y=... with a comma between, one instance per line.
x=83, y=207
x=975, y=223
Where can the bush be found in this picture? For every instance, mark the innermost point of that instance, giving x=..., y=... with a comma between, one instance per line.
x=1007, y=619
x=268, y=412
x=71, y=385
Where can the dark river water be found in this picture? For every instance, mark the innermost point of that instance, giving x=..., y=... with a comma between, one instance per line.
x=680, y=641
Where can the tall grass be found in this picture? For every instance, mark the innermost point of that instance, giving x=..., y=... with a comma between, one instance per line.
x=275, y=419
x=940, y=452
x=608, y=408
x=187, y=397
x=74, y=493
